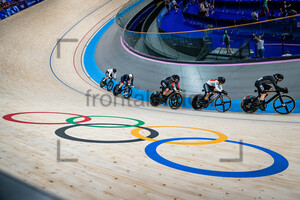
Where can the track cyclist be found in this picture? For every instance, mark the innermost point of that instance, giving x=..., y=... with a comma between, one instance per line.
x=169, y=84
x=126, y=79
x=213, y=86
x=110, y=74
x=264, y=88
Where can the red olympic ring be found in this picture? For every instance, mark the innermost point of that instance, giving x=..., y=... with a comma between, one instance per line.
x=9, y=118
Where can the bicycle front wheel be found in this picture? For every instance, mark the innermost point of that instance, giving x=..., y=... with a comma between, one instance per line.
x=127, y=92
x=284, y=104
x=110, y=85
x=175, y=100
x=223, y=103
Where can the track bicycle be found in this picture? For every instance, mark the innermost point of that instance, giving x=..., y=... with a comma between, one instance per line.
x=175, y=98
x=126, y=89
x=282, y=103
x=222, y=102
x=109, y=83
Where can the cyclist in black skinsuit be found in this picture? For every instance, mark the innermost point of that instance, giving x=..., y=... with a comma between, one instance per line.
x=169, y=84
x=264, y=84
x=126, y=79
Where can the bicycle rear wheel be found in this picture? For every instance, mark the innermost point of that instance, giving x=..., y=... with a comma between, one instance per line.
x=249, y=104
x=284, y=104
x=223, y=103
x=116, y=90
x=102, y=84
x=154, y=99
x=196, y=102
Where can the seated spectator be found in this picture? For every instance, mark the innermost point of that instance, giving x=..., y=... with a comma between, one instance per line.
x=175, y=6
x=254, y=16
x=291, y=13
x=272, y=16
x=287, y=53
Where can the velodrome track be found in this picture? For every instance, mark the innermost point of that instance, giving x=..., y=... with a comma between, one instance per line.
x=35, y=78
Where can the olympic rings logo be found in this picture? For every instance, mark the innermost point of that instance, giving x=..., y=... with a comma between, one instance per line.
x=280, y=162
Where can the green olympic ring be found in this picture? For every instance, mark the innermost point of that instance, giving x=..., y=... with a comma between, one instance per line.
x=71, y=121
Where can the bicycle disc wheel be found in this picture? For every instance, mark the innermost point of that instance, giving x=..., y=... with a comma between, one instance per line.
x=154, y=99
x=101, y=83
x=249, y=104
x=196, y=104
x=284, y=104
x=110, y=85
x=223, y=103
x=127, y=92
x=175, y=100
x=116, y=90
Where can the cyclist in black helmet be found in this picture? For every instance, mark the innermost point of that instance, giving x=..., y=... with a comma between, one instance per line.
x=110, y=73
x=169, y=84
x=264, y=87
x=213, y=86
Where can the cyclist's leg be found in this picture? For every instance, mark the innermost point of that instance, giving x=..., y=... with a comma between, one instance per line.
x=207, y=90
x=122, y=82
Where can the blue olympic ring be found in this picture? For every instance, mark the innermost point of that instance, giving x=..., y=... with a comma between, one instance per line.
x=279, y=165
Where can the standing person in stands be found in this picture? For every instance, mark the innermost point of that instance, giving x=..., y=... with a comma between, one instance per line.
x=265, y=6
x=175, y=6
x=212, y=6
x=284, y=8
x=167, y=5
x=206, y=5
x=254, y=16
x=184, y=2
x=226, y=40
x=260, y=45
x=202, y=11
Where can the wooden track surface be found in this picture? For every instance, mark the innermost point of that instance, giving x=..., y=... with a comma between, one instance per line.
x=119, y=170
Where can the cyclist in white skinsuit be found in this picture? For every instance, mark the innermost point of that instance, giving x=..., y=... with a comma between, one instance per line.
x=214, y=85
x=110, y=73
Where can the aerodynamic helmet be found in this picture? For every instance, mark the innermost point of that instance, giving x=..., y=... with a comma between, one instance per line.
x=221, y=79
x=278, y=77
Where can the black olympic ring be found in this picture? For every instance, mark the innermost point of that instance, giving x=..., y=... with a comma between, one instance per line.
x=61, y=132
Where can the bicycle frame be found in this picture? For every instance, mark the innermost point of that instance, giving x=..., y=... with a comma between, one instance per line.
x=271, y=99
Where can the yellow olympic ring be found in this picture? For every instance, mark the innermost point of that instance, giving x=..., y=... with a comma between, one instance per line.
x=222, y=137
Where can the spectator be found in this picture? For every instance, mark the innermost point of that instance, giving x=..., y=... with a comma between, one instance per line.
x=265, y=6
x=272, y=16
x=226, y=40
x=260, y=45
x=284, y=7
x=167, y=5
x=202, y=11
x=175, y=6
x=212, y=6
x=184, y=2
x=291, y=13
x=287, y=53
x=206, y=5
x=254, y=16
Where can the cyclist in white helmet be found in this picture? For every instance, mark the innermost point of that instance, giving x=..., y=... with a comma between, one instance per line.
x=126, y=79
